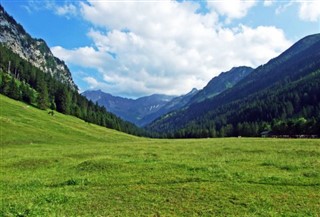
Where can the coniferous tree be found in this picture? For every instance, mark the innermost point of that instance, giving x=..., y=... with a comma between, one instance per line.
x=27, y=93
x=62, y=100
x=13, y=90
x=43, y=96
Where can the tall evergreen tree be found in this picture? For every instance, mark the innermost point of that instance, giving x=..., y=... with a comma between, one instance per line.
x=63, y=100
x=43, y=96
x=13, y=91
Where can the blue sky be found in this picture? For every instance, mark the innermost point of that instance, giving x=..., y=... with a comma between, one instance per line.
x=137, y=48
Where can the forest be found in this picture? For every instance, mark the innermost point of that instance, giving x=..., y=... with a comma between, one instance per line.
x=290, y=109
x=22, y=81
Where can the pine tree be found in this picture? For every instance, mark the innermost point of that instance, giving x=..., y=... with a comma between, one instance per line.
x=13, y=91
x=62, y=100
x=43, y=96
x=27, y=93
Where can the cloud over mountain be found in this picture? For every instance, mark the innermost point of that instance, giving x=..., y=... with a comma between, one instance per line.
x=168, y=47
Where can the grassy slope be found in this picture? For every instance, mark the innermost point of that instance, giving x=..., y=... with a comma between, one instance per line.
x=62, y=166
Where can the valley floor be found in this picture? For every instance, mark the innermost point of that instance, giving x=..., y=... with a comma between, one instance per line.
x=162, y=177
x=62, y=166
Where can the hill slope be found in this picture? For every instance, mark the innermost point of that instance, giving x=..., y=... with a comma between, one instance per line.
x=250, y=96
x=22, y=124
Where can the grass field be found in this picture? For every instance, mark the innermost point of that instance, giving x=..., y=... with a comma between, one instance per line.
x=62, y=166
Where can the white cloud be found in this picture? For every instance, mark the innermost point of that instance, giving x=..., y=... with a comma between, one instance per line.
x=66, y=10
x=58, y=7
x=283, y=7
x=165, y=47
x=309, y=10
x=268, y=3
x=93, y=83
x=83, y=56
x=233, y=9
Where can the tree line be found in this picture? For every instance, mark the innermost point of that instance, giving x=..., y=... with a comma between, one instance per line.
x=291, y=108
x=22, y=81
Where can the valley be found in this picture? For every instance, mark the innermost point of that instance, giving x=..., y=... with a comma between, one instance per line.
x=61, y=166
x=69, y=150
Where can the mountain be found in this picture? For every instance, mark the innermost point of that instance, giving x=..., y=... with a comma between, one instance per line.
x=35, y=51
x=30, y=73
x=133, y=110
x=176, y=103
x=276, y=94
x=222, y=82
x=147, y=109
x=217, y=85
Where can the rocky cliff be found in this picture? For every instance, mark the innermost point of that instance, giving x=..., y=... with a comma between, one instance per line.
x=33, y=50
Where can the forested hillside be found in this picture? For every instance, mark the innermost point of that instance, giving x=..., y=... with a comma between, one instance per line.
x=22, y=81
x=281, y=96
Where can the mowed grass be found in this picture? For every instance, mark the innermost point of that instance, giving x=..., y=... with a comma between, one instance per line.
x=62, y=166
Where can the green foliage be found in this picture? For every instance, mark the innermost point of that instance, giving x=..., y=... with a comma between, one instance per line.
x=13, y=89
x=63, y=101
x=31, y=85
x=61, y=166
x=43, y=95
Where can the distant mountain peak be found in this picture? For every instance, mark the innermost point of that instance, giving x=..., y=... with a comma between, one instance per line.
x=193, y=91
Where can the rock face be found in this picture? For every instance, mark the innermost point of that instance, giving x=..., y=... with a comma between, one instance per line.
x=35, y=51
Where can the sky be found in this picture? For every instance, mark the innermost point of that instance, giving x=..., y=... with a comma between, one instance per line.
x=134, y=48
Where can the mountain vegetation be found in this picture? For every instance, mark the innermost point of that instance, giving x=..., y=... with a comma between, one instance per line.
x=25, y=82
x=42, y=86
x=281, y=97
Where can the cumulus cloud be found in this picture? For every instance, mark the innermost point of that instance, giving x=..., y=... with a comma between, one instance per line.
x=83, y=56
x=142, y=48
x=232, y=9
x=309, y=10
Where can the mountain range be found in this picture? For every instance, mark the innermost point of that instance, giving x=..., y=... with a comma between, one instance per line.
x=281, y=97
x=133, y=110
x=144, y=110
x=274, y=95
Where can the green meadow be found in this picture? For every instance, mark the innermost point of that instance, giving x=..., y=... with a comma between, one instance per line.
x=61, y=166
